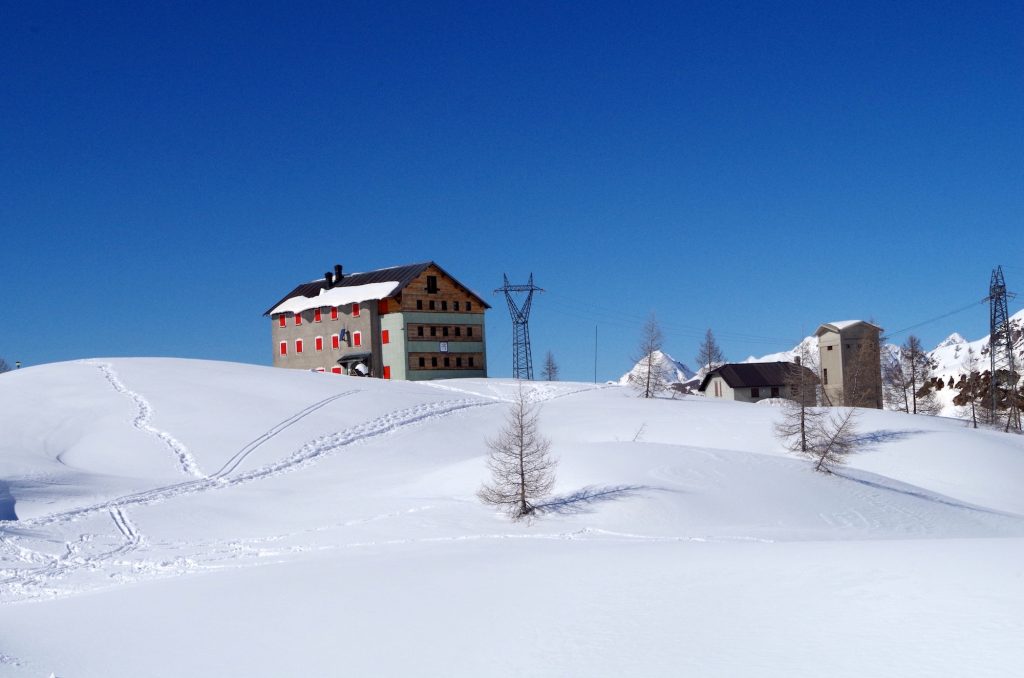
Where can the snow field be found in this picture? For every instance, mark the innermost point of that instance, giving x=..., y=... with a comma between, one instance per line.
x=337, y=533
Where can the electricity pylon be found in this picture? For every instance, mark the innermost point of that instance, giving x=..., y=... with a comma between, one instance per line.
x=522, y=358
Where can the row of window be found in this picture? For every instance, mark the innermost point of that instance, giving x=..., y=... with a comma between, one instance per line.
x=318, y=342
x=443, y=305
x=446, y=361
x=443, y=331
x=282, y=318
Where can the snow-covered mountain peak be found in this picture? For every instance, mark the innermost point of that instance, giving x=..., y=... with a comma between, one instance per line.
x=666, y=364
x=952, y=340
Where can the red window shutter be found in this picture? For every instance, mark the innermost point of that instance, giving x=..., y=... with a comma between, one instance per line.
x=335, y=342
x=335, y=370
x=298, y=345
x=385, y=337
x=355, y=310
x=284, y=346
x=382, y=306
x=334, y=312
x=281, y=320
x=387, y=371
x=298, y=318
x=357, y=338
x=319, y=369
x=316, y=315
x=319, y=343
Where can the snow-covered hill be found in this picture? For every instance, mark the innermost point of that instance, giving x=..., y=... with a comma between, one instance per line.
x=182, y=517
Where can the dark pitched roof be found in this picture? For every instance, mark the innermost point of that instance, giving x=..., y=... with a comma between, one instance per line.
x=402, y=274
x=743, y=375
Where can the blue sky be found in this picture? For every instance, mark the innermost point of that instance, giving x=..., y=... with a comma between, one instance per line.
x=169, y=170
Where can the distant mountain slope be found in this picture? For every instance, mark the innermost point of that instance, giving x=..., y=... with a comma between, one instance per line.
x=677, y=372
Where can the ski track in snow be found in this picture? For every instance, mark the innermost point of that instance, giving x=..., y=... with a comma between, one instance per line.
x=232, y=463
x=32, y=583
x=186, y=461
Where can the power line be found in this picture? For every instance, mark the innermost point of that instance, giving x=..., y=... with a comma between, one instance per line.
x=938, y=317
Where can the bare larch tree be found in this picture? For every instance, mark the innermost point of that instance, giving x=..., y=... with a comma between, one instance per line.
x=969, y=386
x=550, y=371
x=917, y=369
x=801, y=420
x=649, y=377
x=522, y=469
x=834, y=439
x=709, y=355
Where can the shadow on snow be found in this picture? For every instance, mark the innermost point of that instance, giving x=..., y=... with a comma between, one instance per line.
x=582, y=500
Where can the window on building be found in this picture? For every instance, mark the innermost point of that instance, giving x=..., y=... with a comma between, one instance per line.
x=387, y=371
x=455, y=306
x=469, y=331
x=469, y=306
x=824, y=376
x=828, y=348
x=458, y=331
x=447, y=361
x=335, y=342
x=433, y=331
x=444, y=305
x=775, y=391
x=318, y=343
x=458, y=361
x=431, y=304
x=471, y=361
x=357, y=338
x=335, y=370
x=334, y=314
x=433, y=361
x=298, y=318
x=355, y=310
x=444, y=331
x=284, y=348
x=316, y=315
x=755, y=392
x=419, y=330
x=431, y=284
x=423, y=361
x=281, y=320
x=385, y=337
x=298, y=345
x=419, y=304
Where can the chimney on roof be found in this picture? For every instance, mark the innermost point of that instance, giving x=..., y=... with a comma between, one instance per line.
x=338, y=275
x=329, y=277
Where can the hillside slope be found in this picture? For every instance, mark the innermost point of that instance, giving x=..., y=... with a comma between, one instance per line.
x=236, y=520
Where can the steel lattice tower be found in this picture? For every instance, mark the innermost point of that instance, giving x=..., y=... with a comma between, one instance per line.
x=522, y=358
x=1001, y=349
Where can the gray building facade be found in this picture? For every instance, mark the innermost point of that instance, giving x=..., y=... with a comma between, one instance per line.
x=851, y=363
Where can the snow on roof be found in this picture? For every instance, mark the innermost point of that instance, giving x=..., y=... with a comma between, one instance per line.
x=337, y=296
x=840, y=325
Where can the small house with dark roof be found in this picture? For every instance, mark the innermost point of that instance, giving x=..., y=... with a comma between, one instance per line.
x=410, y=322
x=751, y=382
